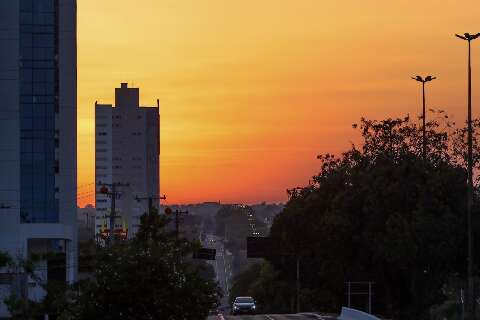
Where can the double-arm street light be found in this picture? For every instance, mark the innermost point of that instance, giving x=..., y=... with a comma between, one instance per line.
x=470, y=296
x=424, y=138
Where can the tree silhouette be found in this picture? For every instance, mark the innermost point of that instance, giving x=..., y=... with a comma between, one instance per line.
x=381, y=213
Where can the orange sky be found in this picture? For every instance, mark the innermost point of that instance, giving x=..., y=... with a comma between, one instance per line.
x=251, y=91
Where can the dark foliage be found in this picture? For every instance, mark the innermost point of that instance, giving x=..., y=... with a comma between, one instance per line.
x=151, y=276
x=148, y=277
x=380, y=213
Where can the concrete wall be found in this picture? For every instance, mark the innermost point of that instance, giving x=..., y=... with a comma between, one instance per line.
x=134, y=158
x=67, y=125
x=103, y=160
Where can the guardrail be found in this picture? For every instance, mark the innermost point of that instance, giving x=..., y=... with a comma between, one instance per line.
x=352, y=314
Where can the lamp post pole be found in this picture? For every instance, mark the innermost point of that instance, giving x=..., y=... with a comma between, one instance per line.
x=424, y=115
x=470, y=293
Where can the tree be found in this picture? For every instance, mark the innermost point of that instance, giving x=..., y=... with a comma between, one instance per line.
x=17, y=302
x=381, y=213
x=151, y=276
x=148, y=277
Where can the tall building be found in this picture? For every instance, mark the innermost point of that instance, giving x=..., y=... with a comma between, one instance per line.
x=127, y=149
x=38, y=158
x=86, y=223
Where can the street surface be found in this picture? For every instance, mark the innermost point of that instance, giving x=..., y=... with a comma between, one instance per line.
x=221, y=268
x=268, y=317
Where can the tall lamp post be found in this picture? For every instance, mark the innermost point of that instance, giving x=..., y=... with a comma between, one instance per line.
x=424, y=137
x=470, y=298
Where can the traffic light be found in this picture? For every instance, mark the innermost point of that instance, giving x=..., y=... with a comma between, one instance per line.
x=205, y=254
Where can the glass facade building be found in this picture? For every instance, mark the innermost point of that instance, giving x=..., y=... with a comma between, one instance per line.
x=38, y=108
x=38, y=142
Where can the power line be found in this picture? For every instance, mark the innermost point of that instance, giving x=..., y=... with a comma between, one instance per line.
x=85, y=185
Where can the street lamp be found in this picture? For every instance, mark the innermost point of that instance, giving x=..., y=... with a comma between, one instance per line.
x=424, y=138
x=470, y=301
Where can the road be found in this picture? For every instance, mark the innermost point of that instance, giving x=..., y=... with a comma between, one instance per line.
x=268, y=317
x=220, y=270
x=219, y=265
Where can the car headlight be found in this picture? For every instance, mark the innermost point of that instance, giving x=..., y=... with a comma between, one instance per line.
x=235, y=307
x=254, y=307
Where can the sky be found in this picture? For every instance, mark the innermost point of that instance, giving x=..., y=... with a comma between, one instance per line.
x=252, y=91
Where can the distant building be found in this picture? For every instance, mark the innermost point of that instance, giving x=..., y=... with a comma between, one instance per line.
x=38, y=141
x=127, y=149
x=86, y=223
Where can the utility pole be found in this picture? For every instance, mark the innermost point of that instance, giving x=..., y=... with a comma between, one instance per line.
x=470, y=293
x=177, y=213
x=150, y=201
x=424, y=115
x=177, y=222
x=112, y=194
x=298, y=284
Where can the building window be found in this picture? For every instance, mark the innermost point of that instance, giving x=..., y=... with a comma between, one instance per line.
x=38, y=72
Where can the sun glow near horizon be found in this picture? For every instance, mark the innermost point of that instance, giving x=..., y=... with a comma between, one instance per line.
x=251, y=91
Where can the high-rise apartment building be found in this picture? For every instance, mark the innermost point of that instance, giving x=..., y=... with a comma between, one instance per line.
x=127, y=149
x=38, y=157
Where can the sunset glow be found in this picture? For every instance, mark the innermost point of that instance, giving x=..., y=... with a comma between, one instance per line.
x=251, y=91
